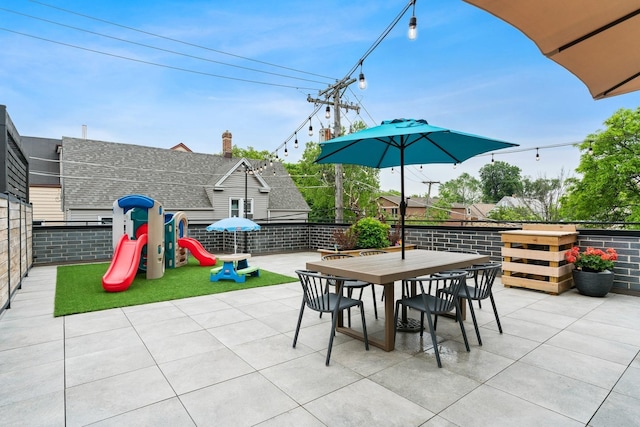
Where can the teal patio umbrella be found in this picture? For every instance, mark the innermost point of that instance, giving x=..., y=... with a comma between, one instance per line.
x=400, y=142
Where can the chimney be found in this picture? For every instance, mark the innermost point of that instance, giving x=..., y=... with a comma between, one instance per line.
x=226, y=144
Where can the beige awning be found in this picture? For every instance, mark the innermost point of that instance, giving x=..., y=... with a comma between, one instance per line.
x=596, y=40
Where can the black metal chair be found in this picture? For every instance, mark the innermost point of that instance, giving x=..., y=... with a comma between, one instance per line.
x=316, y=296
x=440, y=303
x=351, y=284
x=478, y=286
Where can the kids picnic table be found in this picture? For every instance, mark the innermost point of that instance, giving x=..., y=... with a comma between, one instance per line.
x=234, y=267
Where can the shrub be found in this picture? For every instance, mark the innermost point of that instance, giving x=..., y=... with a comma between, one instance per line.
x=345, y=239
x=371, y=233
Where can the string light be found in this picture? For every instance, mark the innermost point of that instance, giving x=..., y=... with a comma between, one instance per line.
x=537, y=155
x=413, y=24
x=327, y=113
x=362, y=82
x=455, y=165
x=491, y=158
x=310, y=128
x=295, y=143
x=286, y=152
x=590, y=150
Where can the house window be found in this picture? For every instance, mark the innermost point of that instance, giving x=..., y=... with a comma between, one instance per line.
x=236, y=207
x=394, y=212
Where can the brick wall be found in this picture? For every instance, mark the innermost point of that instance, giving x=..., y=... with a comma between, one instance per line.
x=56, y=245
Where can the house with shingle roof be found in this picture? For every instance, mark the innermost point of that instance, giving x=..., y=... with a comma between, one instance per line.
x=206, y=187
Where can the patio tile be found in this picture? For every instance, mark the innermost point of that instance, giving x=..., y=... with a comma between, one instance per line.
x=487, y=406
x=543, y=318
x=422, y=382
x=617, y=410
x=176, y=347
x=294, y=418
x=97, y=321
x=307, y=378
x=36, y=381
x=603, y=330
x=100, y=341
x=477, y=364
x=367, y=403
x=167, y=328
x=243, y=401
x=353, y=355
x=316, y=336
x=505, y=345
x=559, y=393
x=616, y=311
x=264, y=308
x=204, y=369
x=597, y=347
x=19, y=332
x=575, y=365
x=286, y=321
x=201, y=304
x=154, y=315
x=525, y=329
x=24, y=308
x=106, y=363
x=213, y=319
x=169, y=413
x=105, y=398
x=33, y=355
x=240, y=332
x=628, y=384
x=270, y=351
x=41, y=411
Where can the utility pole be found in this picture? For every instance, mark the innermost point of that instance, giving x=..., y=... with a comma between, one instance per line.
x=429, y=191
x=332, y=97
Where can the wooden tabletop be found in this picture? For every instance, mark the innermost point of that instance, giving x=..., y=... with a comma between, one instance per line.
x=233, y=257
x=389, y=267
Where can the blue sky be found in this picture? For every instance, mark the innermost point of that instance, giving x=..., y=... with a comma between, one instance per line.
x=467, y=70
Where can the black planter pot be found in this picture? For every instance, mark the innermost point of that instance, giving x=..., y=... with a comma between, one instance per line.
x=593, y=284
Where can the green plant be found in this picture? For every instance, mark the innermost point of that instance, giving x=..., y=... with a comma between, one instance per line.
x=372, y=233
x=595, y=260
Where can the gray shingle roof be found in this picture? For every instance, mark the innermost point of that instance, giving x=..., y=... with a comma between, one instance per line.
x=96, y=173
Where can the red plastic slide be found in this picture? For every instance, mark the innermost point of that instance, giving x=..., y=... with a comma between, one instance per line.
x=124, y=264
x=198, y=251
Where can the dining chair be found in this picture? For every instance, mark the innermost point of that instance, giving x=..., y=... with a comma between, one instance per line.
x=316, y=296
x=478, y=286
x=440, y=303
x=351, y=284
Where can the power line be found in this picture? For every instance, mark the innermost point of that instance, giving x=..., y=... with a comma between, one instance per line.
x=171, y=67
x=158, y=48
x=176, y=40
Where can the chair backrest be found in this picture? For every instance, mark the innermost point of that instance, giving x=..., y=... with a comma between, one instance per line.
x=483, y=276
x=336, y=256
x=315, y=288
x=444, y=301
x=372, y=252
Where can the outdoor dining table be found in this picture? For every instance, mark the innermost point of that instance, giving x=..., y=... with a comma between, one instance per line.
x=384, y=270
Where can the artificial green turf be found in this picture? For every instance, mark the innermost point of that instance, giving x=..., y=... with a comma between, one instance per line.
x=79, y=287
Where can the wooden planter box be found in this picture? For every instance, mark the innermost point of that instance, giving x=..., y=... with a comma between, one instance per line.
x=533, y=257
x=355, y=252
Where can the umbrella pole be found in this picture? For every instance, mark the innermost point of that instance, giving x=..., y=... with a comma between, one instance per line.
x=403, y=205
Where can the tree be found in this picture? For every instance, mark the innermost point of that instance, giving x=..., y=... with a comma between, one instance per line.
x=465, y=189
x=249, y=153
x=316, y=182
x=499, y=179
x=609, y=189
x=547, y=194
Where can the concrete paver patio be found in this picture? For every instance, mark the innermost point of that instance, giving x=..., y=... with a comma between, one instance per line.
x=227, y=360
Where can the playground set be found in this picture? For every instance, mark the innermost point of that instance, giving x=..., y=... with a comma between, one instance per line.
x=145, y=238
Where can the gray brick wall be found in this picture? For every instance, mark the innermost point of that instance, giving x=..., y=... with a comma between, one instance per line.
x=57, y=245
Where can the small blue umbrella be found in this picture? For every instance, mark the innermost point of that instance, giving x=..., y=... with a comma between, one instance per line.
x=403, y=142
x=234, y=224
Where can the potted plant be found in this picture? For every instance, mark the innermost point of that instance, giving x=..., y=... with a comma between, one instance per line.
x=592, y=275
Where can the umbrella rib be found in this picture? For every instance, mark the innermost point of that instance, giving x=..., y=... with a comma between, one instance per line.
x=337, y=151
x=614, y=87
x=594, y=33
x=426, y=136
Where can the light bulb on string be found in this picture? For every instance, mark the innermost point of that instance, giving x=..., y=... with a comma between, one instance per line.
x=492, y=158
x=310, y=128
x=413, y=23
x=286, y=152
x=362, y=82
x=537, y=155
x=295, y=143
x=327, y=113
x=590, y=149
x=455, y=165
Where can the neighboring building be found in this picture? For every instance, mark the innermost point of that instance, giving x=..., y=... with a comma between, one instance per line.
x=473, y=212
x=45, y=191
x=390, y=206
x=77, y=179
x=533, y=205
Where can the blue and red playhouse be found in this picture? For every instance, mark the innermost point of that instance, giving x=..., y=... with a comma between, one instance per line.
x=145, y=238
